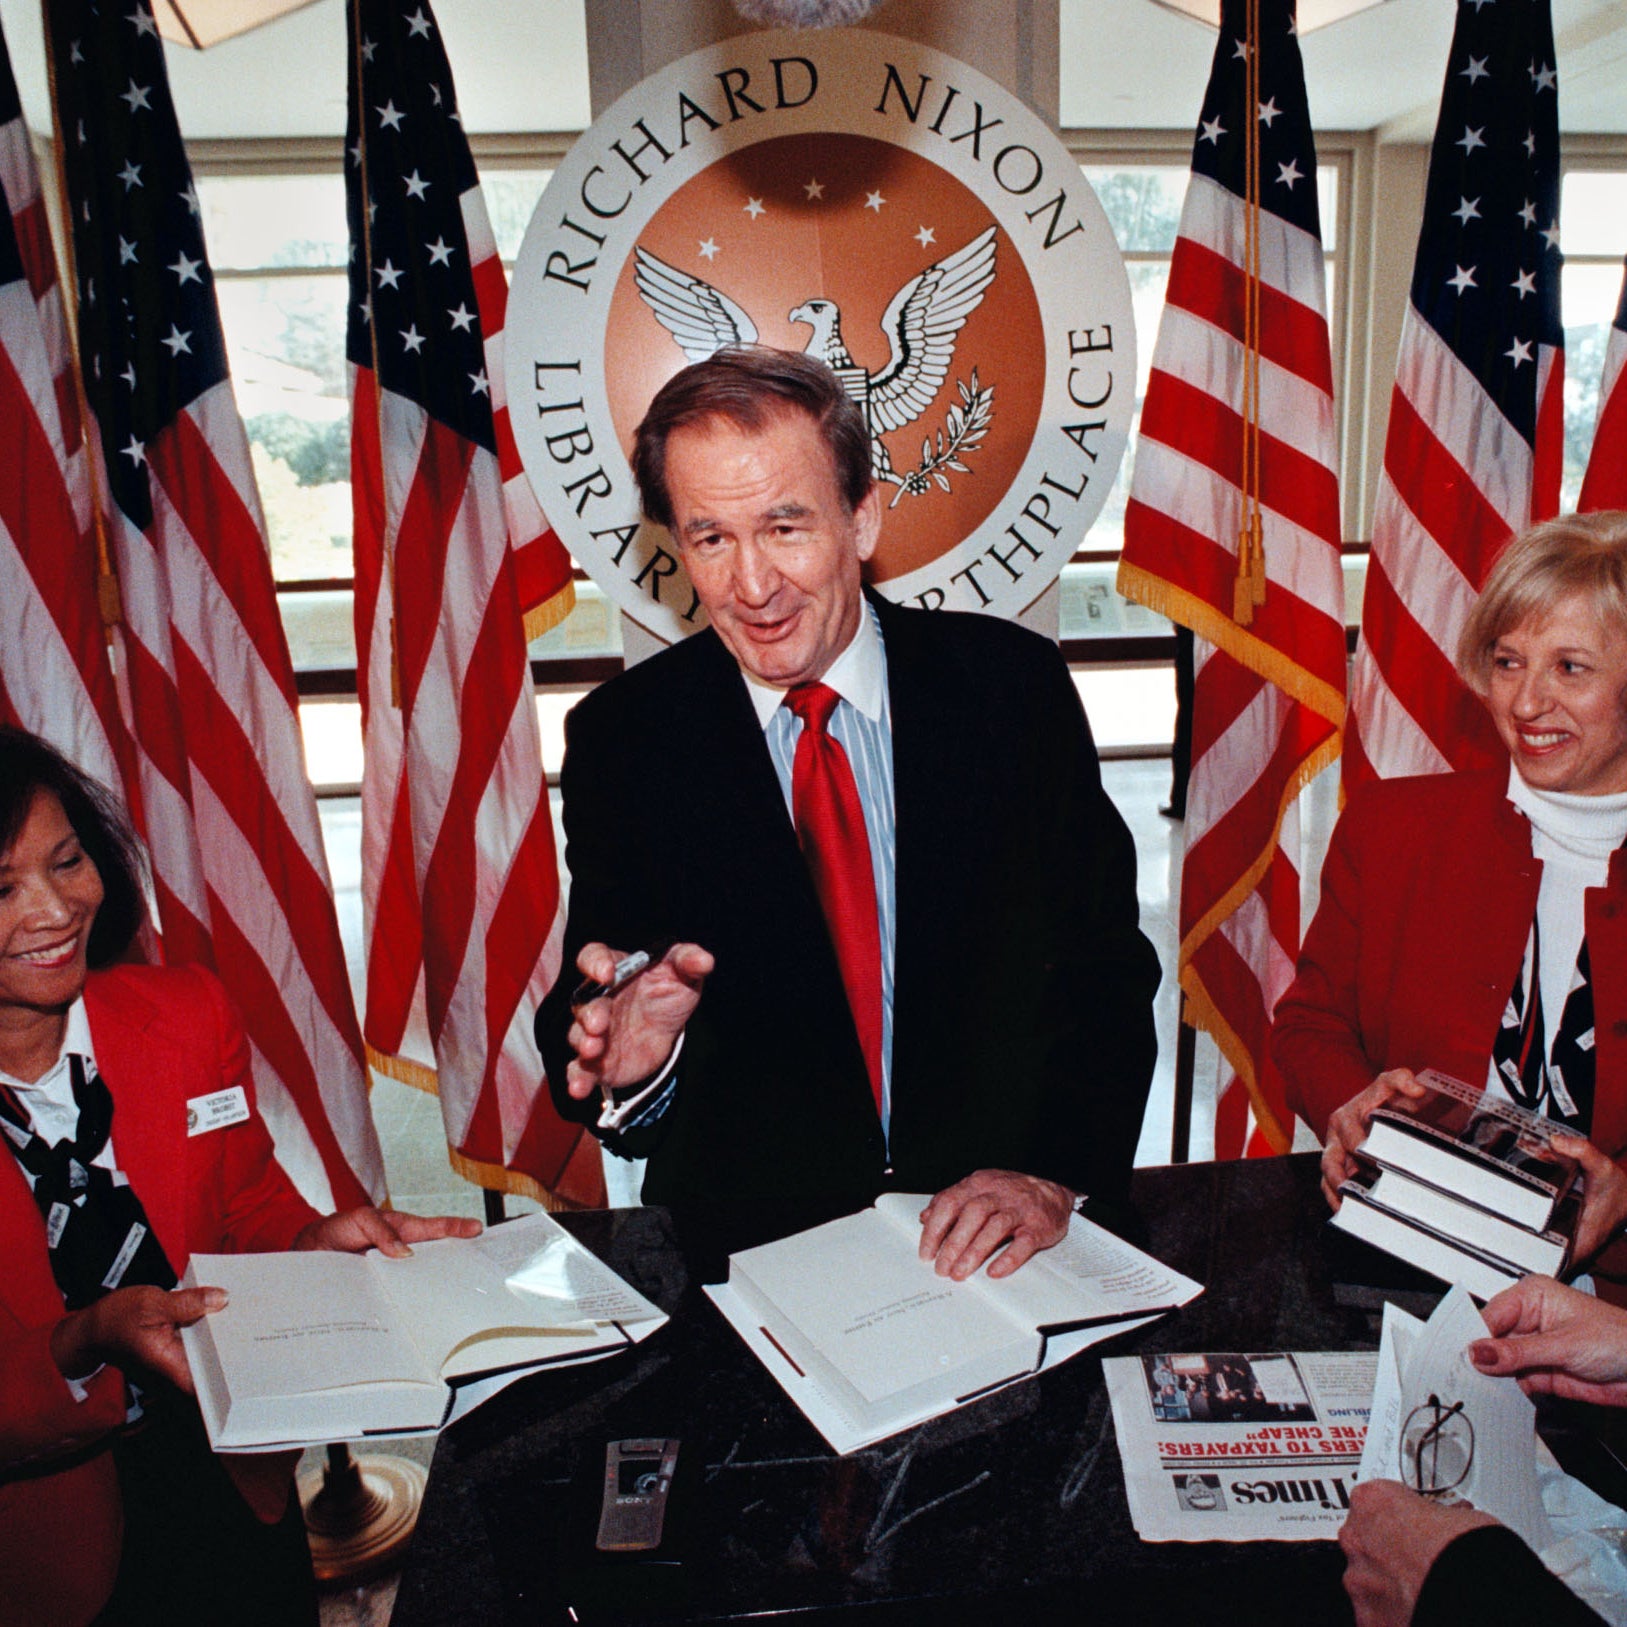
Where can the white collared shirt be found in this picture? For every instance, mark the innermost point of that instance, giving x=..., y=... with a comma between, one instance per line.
x=858, y=675
x=862, y=723
x=48, y=1101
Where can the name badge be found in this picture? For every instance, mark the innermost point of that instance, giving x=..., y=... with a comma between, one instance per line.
x=215, y=1112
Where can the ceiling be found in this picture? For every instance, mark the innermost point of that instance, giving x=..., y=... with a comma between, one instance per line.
x=521, y=65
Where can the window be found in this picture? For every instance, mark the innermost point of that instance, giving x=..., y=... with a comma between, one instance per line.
x=277, y=240
x=1142, y=193
x=1593, y=235
x=274, y=220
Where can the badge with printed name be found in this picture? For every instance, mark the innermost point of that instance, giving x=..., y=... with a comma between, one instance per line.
x=215, y=1112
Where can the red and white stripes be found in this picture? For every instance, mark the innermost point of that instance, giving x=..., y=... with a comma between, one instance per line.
x=1268, y=701
x=1459, y=480
x=239, y=867
x=55, y=675
x=1605, y=484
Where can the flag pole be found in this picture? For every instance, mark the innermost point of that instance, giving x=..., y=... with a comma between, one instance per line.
x=361, y=1511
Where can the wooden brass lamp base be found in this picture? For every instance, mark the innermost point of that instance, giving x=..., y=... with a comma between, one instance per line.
x=359, y=1512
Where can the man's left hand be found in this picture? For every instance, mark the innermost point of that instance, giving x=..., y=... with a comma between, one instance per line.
x=1391, y=1537
x=354, y=1231
x=968, y=1221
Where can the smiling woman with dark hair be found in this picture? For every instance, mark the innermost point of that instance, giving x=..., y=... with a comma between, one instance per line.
x=28, y=766
x=111, y=1506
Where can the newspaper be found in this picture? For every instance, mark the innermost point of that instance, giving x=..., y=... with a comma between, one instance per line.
x=1240, y=1448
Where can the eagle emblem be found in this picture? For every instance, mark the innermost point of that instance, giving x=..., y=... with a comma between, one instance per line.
x=922, y=323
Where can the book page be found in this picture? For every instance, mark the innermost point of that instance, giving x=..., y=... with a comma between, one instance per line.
x=306, y=1321
x=537, y=1256
x=524, y=1291
x=855, y=1292
x=453, y=1302
x=1091, y=1274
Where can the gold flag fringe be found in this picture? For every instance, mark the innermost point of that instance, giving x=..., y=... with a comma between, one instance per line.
x=1180, y=605
x=511, y=1182
x=1232, y=899
x=404, y=1071
x=545, y=617
x=1202, y=1012
x=490, y=1177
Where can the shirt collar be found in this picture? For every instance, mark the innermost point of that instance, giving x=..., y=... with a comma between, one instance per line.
x=1589, y=826
x=858, y=675
x=75, y=1042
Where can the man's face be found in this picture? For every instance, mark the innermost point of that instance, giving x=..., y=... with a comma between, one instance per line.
x=771, y=548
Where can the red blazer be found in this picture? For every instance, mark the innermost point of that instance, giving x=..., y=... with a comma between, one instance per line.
x=1428, y=894
x=162, y=1037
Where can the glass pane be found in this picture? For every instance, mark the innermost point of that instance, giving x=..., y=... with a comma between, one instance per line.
x=1327, y=201
x=511, y=197
x=320, y=627
x=254, y=221
x=1143, y=203
x=1148, y=282
x=1588, y=295
x=1128, y=706
x=1091, y=606
x=285, y=340
x=333, y=744
x=1593, y=213
x=592, y=628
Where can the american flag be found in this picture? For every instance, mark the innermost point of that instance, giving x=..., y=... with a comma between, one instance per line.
x=1476, y=417
x=239, y=868
x=1605, y=483
x=459, y=873
x=55, y=676
x=1232, y=528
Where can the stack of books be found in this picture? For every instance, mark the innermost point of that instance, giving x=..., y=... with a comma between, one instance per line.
x=1467, y=1187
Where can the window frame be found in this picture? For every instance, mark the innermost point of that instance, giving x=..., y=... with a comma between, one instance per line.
x=1361, y=387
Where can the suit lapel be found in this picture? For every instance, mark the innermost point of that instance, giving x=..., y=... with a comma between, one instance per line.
x=745, y=857
x=935, y=793
x=740, y=812
x=146, y=1073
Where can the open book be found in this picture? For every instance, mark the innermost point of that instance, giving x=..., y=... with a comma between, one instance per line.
x=322, y=1346
x=867, y=1339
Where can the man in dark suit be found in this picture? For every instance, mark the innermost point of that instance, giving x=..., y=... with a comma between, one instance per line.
x=1005, y=1065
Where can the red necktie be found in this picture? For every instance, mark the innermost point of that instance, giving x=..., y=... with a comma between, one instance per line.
x=830, y=825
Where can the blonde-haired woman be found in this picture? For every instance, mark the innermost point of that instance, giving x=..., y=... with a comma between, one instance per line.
x=1476, y=922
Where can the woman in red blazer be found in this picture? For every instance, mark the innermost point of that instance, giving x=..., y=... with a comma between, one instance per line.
x=160, y=1039
x=1477, y=922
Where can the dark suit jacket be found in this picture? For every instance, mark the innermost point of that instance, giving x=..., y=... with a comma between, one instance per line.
x=162, y=1036
x=1489, y=1578
x=1023, y=1034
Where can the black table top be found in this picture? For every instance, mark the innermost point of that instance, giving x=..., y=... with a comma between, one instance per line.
x=1009, y=1509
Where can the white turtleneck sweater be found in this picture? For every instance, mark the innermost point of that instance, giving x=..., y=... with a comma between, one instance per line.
x=1574, y=837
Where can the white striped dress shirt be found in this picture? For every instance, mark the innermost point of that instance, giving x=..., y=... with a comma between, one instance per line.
x=863, y=724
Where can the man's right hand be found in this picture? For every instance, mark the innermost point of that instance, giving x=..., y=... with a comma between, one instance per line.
x=137, y=1330
x=1556, y=1340
x=1347, y=1128
x=622, y=1038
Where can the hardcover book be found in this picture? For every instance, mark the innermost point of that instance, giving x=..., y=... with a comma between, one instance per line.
x=322, y=1346
x=1484, y=1150
x=867, y=1339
